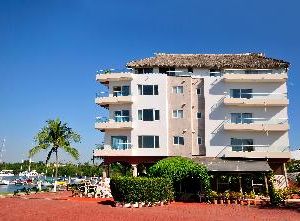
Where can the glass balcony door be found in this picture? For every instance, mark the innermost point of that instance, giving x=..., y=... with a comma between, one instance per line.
x=121, y=91
x=119, y=142
x=242, y=144
x=121, y=116
x=241, y=118
x=241, y=93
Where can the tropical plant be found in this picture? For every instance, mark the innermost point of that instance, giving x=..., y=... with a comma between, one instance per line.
x=55, y=135
x=184, y=173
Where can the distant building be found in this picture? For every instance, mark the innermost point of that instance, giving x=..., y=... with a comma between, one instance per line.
x=228, y=111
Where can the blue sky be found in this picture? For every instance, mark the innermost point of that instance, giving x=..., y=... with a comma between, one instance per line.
x=50, y=51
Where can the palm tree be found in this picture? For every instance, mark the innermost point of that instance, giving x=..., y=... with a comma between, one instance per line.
x=53, y=136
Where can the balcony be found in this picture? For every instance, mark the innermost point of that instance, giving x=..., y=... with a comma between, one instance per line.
x=257, y=124
x=105, y=78
x=103, y=123
x=255, y=151
x=257, y=100
x=252, y=78
x=106, y=150
x=105, y=99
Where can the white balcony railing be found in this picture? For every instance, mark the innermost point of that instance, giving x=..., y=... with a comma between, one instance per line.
x=259, y=96
x=257, y=120
x=255, y=151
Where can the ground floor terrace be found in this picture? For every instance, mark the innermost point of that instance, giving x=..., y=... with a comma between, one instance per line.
x=235, y=174
x=61, y=206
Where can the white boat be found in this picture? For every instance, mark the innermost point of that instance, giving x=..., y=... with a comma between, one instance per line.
x=6, y=173
x=4, y=182
x=33, y=173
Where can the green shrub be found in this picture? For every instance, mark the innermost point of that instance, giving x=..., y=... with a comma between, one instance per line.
x=141, y=189
x=277, y=196
x=184, y=173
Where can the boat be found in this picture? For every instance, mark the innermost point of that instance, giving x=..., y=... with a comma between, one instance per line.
x=4, y=182
x=6, y=173
x=33, y=173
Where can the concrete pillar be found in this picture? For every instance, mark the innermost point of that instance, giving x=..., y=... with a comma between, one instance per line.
x=134, y=170
x=266, y=183
x=105, y=172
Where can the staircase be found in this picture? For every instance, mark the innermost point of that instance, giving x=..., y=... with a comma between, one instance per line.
x=280, y=182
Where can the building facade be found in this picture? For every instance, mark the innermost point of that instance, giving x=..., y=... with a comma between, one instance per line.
x=204, y=106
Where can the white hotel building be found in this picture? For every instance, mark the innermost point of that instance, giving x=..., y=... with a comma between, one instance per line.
x=228, y=111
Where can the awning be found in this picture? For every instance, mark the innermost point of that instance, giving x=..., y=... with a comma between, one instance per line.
x=226, y=165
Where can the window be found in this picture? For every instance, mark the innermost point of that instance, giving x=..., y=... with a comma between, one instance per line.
x=144, y=70
x=214, y=72
x=241, y=118
x=119, y=142
x=168, y=71
x=199, y=115
x=122, y=116
x=148, y=89
x=238, y=144
x=190, y=70
x=148, y=141
x=199, y=91
x=199, y=140
x=177, y=113
x=241, y=93
x=148, y=115
x=121, y=91
x=156, y=115
x=258, y=71
x=178, y=89
x=178, y=140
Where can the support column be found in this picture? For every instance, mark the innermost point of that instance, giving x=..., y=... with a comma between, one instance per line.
x=134, y=170
x=105, y=172
x=266, y=183
x=240, y=183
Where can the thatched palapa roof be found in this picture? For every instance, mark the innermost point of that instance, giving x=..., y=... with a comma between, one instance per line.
x=218, y=61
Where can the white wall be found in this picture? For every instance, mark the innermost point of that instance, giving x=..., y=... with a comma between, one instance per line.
x=214, y=88
x=154, y=128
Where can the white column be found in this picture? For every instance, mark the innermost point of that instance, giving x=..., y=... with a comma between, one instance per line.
x=134, y=170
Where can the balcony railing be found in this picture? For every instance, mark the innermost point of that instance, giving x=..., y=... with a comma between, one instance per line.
x=105, y=76
x=260, y=77
x=114, y=94
x=255, y=151
x=117, y=119
x=257, y=99
x=118, y=146
x=118, y=123
x=120, y=149
x=260, y=95
x=257, y=121
x=257, y=124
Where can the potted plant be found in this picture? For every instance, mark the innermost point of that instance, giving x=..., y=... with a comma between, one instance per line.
x=233, y=196
x=227, y=196
x=221, y=198
x=239, y=197
x=214, y=197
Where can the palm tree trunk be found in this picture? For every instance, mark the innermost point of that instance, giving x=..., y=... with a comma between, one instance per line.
x=56, y=170
x=56, y=164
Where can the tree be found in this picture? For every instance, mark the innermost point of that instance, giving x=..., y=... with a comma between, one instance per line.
x=184, y=173
x=55, y=135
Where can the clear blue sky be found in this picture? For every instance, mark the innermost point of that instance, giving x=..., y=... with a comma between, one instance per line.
x=50, y=51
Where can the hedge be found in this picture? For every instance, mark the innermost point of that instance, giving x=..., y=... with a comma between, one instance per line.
x=141, y=189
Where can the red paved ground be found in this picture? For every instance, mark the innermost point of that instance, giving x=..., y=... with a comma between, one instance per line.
x=39, y=207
